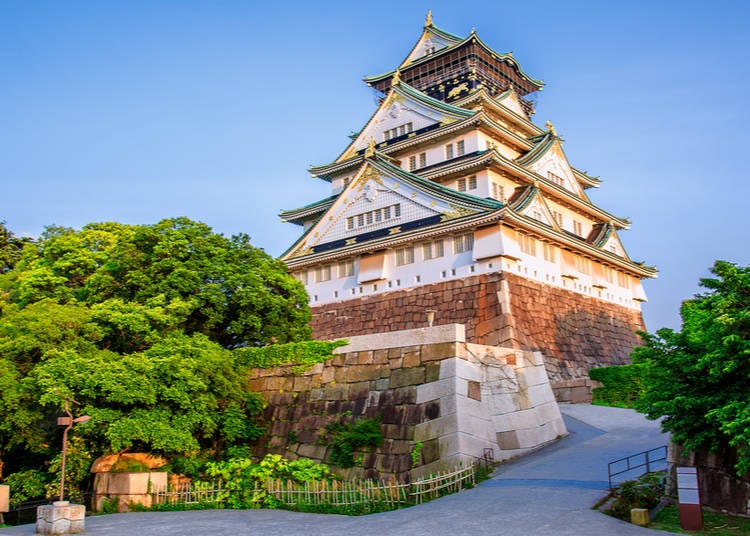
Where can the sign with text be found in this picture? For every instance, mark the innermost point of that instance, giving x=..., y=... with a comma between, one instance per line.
x=688, y=492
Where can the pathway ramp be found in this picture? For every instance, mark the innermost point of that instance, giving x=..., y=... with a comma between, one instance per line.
x=549, y=492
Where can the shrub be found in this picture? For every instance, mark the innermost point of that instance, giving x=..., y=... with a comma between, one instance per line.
x=622, y=385
x=642, y=493
x=346, y=438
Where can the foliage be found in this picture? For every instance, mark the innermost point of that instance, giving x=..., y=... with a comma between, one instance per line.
x=246, y=482
x=77, y=465
x=622, y=385
x=11, y=248
x=416, y=454
x=144, y=326
x=346, y=438
x=302, y=355
x=714, y=523
x=698, y=378
x=642, y=493
x=27, y=484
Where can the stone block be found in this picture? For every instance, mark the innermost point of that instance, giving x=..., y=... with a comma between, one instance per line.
x=315, y=452
x=430, y=451
x=436, y=352
x=301, y=383
x=433, y=390
x=431, y=371
x=508, y=440
x=404, y=395
x=536, y=375
x=446, y=425
x=336, y=392
x=474, y=390
x=468, y=371
x=540, y=394
x=410, y=359
x=404, y=377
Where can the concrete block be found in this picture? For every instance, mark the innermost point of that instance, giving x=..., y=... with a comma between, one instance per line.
x=60, y=517
x=639, y=516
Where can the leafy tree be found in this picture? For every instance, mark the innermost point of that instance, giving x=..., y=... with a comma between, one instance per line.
x=698, y=378
x=11, y=248
x=140, y=324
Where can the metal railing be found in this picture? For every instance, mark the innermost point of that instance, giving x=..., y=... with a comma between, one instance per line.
x=652, y=460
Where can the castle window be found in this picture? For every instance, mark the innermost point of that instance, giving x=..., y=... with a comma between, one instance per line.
x=557, y=179
x=422, y=159
x=549, y=252
x=373, y=216
x=464, y=242
x=461, y=185
x=577, y=228
x=346, y=269
x=558, y=217
x=323, y=273
x=583, y=265
x=527, y=244
x=449, y=151
x=404, y=256
x=433, y=250
x=460, y=147
x=623, y=280
x=497, y=191
x=347, y=180
x=473, y=182
x=412, y=163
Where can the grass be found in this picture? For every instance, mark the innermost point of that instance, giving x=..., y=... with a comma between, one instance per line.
x=713, y=524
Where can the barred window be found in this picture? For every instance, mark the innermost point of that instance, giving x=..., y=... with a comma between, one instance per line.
x=404, y=256
x=433, y=250
x=464, y=242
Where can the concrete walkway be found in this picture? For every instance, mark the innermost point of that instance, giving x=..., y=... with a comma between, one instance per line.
x=548, y=492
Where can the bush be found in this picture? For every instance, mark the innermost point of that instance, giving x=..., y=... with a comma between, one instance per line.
x=26, y=485
x=346, y=438
x=622, y=385
x=642, y=493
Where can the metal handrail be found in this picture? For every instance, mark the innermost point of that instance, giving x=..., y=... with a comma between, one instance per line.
x=648, y=463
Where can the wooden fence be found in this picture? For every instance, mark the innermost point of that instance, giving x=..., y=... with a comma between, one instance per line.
x=191, y=493
x=390, y=494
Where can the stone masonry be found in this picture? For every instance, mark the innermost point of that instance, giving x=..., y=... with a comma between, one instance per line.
x=429, y=387
x=575, y=332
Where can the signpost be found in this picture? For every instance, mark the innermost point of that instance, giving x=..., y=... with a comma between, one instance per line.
x=691, y=516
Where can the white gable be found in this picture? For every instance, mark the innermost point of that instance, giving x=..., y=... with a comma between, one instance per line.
x=373, y=201
x=554, y=167
x=397, y=115
x=511, y=102
x=427, y=44
x=613, y=245
x=540, y=211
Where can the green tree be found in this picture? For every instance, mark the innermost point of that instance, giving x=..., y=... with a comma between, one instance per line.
x=698, y=378
x=140, y=324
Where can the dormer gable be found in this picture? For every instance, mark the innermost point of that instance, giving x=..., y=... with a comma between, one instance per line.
x=548, y=160
x=384, y=200
x=604, y=236
x=404, y=112
x=510, y=100
x=432, y=40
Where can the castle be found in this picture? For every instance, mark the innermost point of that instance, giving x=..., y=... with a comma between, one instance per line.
x=450, y=206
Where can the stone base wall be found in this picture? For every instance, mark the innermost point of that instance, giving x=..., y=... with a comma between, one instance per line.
x=720, y=487
x=428, y=386
x=575, y=332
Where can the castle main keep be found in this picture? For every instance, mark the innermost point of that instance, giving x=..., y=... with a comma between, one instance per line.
x=451, y=205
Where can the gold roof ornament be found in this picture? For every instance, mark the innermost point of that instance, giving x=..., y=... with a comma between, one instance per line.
x=396, y=78
x=428, y=20
x=550, y=128
x=370, y=151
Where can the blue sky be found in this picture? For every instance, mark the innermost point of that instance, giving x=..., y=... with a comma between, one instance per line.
x=141, y=110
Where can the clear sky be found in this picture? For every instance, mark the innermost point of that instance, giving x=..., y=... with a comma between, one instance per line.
x=141, y=110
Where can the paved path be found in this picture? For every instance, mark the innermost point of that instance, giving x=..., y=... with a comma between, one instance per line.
x=549, y=492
